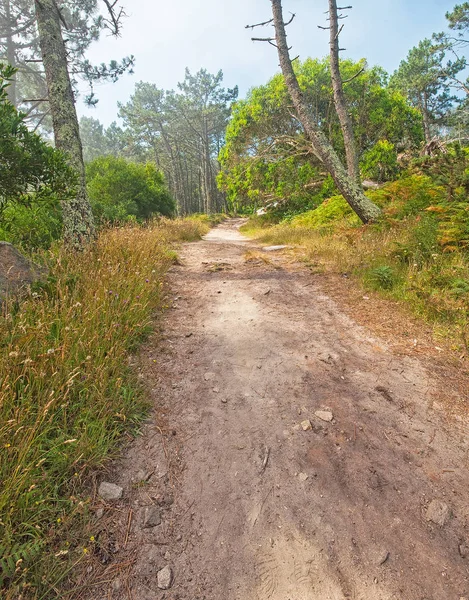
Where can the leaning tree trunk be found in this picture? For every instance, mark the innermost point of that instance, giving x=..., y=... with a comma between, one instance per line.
x=340, y=103
x=77, y=215
x=349, y=188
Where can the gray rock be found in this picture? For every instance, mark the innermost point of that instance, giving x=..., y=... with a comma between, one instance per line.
x=165, y=578
x=151, y=517
x=17, y=272
x=209, y=376
x=274, y=248
x=306, y=425
x=324, y=415
x=100, y=513
x=302, y=476
x=110, y=491
x=463, y=550
x=438, y=512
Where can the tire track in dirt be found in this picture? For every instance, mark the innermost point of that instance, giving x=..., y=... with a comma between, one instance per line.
x=338, y=511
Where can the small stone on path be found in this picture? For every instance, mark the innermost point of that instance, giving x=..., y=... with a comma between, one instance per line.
x=165, y=578
x=216, y=390
x=438, y=512
x=110, y=491
x=209, y=376
x=302, y=476
x=306, y=425
x=324, y=415
x=151, y=517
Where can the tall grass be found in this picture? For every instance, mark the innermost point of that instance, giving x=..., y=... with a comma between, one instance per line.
x=67, y=393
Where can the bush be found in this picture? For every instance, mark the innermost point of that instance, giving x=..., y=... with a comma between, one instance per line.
x=334, y=209
x=380, y=162
x=120, y=190
x=34, y=177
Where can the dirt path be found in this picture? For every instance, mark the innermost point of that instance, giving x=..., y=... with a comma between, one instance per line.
x=254, y=507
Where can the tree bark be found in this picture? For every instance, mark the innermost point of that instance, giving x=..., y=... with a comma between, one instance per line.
x=339, y=96
x=78, y=228
x=426, y=120
x=349, y=188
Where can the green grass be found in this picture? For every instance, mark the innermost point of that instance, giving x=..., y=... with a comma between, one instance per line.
x=67, y=393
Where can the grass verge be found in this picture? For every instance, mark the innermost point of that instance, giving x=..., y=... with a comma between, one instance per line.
x=402, y=260
x=67, y=393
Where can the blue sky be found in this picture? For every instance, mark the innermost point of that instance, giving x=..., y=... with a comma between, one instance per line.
x=166, y=36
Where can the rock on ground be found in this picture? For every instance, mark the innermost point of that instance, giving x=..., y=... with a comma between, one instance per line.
x=110, y=491
x=324, y=415
x=165, y=578
x=16, y=271
x=151, y=516
x=438, y=512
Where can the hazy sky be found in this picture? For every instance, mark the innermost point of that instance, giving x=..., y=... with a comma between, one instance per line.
x=167, y=35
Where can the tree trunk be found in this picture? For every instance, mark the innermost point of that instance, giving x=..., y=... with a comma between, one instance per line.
x=426, y=121
x=339, y=97
x=349, y=188
x=10, y=53
x=77, y=215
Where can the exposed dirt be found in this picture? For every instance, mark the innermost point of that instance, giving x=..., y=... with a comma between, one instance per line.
x=254, y=507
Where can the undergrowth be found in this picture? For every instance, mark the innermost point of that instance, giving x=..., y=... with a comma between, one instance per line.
x=67, y=392
x=414, y=254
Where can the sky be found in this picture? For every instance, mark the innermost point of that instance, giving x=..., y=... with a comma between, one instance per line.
x=166, y=36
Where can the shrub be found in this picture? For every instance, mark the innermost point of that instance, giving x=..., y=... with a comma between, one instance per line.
x=383, y=277
x=331, y=210
x=120, y=190
x=33, y=178
x=380, y=162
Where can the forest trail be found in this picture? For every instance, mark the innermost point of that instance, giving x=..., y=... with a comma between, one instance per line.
x=261, y=497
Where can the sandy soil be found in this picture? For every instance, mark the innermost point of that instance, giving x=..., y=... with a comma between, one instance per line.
x=254, y=507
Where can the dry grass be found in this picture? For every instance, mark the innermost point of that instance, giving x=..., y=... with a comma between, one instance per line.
x=67, y=393
x=401, y=262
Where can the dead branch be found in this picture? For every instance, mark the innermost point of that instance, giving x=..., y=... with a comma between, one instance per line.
x=114, y=20
x=353, y=76
x=259, y=24
x=269, y=40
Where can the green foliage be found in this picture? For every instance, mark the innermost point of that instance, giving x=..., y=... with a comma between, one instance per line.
x=380, y=162
x=331, y=212
x=449, y=169
x=407, y=196
x=426, y=81
x=266, y=157
x=34, y=177
x=120, y=190
x=420, y=245
x=382, y=277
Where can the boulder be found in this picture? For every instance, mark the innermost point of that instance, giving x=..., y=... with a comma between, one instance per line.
x=17, y=272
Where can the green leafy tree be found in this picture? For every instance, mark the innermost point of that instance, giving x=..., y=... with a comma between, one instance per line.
x=84, y=21
x=267, y=156
x=425, y=79
x=119, y=190
x=34, y=177
x=182, y=132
